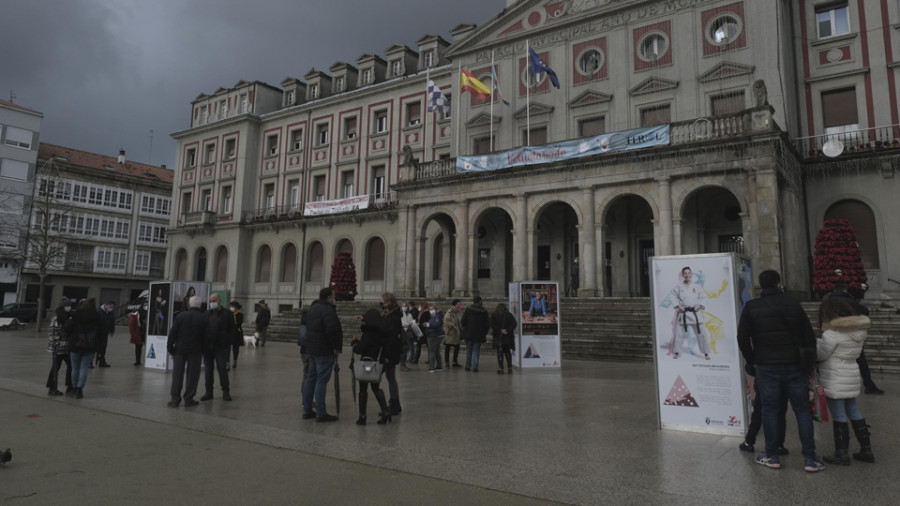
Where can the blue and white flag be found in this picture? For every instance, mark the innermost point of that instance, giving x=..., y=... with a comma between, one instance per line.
x=436, y=99
x=536, y=65
x=497, y=86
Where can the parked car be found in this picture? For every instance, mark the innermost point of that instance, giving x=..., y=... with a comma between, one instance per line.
x=22, y=311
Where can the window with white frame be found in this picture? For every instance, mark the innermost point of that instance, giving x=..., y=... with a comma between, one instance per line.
x=186, y=202
x=14, y=169
x=319, y=192
x=381, y=121
x=653, y=46
x=272, y=145
x=429, y=58
x=840, y=115
x=413, y=113
x=151, y=234
x=294, y=194
x=396, y=68
x=290, y=97
x=724, y=29
x=210, y=156
x=110, y=260
x=153, y=204
x=230, y=149
x=313, y=91
x=190, y=158
x=19, y=137
x=226, y=199
x=347, y=184
x=269, y=196
x=378, y=182
x=832, y=20
x=322, y=134
x=297, y=139
x=245, y=103
x=204, y=111
x=223, y=109
x=590, y=61
x=367, y=76
x=142, y=263
x=207, y=200
x=339, y=83
x=350, y=128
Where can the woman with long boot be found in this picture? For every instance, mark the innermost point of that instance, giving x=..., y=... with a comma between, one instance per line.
x=371, y=345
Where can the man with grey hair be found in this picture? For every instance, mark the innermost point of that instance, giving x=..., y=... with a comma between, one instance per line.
x=189, y=332
x=218, y=347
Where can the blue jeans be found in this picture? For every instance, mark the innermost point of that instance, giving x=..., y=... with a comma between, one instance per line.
x=473, y=352
x=316, y=382
x=841, y=409
x=773, y=381
x=81, y=363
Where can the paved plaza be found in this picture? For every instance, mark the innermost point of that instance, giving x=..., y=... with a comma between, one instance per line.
x=585, y=435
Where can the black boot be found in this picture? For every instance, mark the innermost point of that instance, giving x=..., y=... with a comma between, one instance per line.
x=5, y=456
x=385, y=415
x=79, y=393
x=862, y=435
x=363, y=402
x=841, y=445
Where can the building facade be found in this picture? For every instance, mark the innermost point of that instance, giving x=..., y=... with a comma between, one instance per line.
x=777, y=115
x=102, y=221
x=20, y=130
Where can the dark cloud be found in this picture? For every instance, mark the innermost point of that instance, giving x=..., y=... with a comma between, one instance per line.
x=106, y=72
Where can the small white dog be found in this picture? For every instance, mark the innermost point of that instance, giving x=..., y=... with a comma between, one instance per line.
x=250, y=341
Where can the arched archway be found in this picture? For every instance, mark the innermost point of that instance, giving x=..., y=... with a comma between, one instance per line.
x=711, y=222
x=437, y=262
x=288, y=264
x=555, y=242
x=181, y=264
x=628, y=246
x=374, y=266
x=200, y=265
x=264, y=264
x=344, y=246
x=493, y=262
x=315, y=265
x=862, y=219
x=221, y=262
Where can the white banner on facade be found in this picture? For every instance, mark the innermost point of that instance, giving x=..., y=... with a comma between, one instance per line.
x=698, y=364
x=535, y=304
x=336, y=206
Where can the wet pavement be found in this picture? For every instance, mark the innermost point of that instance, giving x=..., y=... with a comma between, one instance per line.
x=587, y=434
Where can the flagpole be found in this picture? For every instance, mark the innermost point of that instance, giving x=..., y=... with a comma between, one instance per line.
x=493, y=85
x=527, y=96
x=458, y=100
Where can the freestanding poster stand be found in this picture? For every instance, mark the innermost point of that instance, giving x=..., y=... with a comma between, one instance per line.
x=535, y=304
x=696, y=303
x=167, y=299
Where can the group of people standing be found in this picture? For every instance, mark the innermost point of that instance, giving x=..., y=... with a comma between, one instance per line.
x=78, y=335
x=781, y=350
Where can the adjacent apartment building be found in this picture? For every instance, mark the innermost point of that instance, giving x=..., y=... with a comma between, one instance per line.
x=20, y=129
x=106, y=225
x=648, y=128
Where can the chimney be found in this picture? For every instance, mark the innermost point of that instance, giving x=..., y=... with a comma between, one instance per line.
x=121, y=157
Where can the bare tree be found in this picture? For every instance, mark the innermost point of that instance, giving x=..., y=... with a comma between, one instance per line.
x=48, y=225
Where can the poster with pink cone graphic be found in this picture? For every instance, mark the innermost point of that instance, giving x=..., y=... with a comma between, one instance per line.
x=696, y=302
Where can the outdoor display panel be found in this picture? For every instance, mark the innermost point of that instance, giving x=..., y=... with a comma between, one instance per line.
x=696, y=303
x=167, y=299
x=535, y=304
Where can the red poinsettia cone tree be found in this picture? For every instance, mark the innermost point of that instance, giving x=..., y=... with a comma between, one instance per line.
x=837, y=258
x=343, y=277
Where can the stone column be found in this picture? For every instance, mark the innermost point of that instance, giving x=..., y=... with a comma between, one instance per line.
x=411, y=257
x=520, y=239
x=462, y=274
x=590, y=261
x=666, y=240
x=401, y=257
x=676, y=230
x=601, y=261
x=769, y=239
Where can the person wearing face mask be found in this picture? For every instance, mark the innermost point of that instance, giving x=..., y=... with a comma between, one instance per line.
x=423, y=318
x=108, y=317
x=137, y=328
x=452, y=332
x=60, y=349
x=235, y=308
x=407, y=335
x=391, y=353
x=216, y=349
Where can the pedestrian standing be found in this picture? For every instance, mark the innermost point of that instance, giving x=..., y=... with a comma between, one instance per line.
x=392, y=317
x=186, y=339
x=475, y=323
x=503, y=326
x=107, y=314
x=325, y=338
x=83, y=330
x=238, y=316
x=452, y=332
x=371, y=344
x=59, y=347
x=434, y=330
x=218, y=347
x=263, y=317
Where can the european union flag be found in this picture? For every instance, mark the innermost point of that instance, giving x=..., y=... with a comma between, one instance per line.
x=536, y=66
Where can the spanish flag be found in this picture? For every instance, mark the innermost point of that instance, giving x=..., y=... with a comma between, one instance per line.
x=473, y=85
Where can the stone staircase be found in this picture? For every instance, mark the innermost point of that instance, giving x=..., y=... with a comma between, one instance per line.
x=619, y=329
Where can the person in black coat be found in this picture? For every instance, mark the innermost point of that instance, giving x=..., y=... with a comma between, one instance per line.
x=107, y=313
x=263, y=317
x=60, y=349
x=475, y=323
x=504, y=325
x=83, y=331
x=235, y=309
x=218, y=347
x=372, y=344
x=187, y=337
x=393, y=317
x=325, y=338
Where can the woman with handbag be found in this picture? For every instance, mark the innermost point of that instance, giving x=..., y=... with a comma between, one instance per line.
x=391, y=353
x=371, y=346
x=837, y=351
x=503, y=325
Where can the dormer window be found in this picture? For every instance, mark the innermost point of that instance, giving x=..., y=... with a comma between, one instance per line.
x=313, y=91
x=396, y=68
x=245, y=103
x=429, y=58
x=223, y=109
x=204, y=118
x=367, y=76
x=339, y=84
x=290, y=97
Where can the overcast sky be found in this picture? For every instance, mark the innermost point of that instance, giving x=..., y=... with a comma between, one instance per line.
x=106, y=72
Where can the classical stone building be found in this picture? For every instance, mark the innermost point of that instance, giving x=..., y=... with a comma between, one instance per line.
x=766, y=117
x=107, y=226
